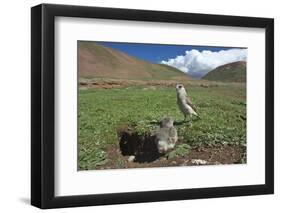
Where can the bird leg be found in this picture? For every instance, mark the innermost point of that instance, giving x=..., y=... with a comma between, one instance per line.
x=190, y=120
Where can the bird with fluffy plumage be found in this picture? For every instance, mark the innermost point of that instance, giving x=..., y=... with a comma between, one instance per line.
x=184, y=103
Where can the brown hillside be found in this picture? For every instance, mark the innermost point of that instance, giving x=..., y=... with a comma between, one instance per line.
x=97, y=61
x=232, y=72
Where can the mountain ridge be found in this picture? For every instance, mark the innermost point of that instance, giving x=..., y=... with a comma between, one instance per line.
x=231, y=72
x=98, y=61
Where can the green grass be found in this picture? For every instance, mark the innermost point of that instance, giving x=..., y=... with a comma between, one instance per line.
x=222, y=110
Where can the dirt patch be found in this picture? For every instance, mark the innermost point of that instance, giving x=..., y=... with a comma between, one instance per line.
x=148, y=84
x=143, y=150
x=219, y=155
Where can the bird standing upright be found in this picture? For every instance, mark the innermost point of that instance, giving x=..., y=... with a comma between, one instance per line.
x=184, y=103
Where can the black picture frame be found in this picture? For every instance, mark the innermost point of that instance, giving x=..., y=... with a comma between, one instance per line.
x=43, y=102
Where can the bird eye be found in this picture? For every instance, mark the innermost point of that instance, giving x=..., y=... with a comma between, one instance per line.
x=180, y=87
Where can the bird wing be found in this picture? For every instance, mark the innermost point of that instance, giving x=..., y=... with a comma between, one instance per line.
x=188, y=101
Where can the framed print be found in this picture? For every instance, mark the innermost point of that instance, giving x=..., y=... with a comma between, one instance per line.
x=139, y=106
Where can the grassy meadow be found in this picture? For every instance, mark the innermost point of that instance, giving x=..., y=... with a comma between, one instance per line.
x=102, y=112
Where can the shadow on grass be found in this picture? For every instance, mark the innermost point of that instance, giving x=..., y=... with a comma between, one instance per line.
x=176, y=123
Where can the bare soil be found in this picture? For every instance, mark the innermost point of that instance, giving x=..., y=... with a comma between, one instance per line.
x=218, y=155
x=118, y=83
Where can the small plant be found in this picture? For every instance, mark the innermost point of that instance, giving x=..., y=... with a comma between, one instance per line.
x=180, y=151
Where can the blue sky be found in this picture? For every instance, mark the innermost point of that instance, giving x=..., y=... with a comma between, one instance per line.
x=156, y=53
x=196, y=61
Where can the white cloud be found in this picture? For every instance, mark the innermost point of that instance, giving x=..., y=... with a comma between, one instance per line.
x=198, y=64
